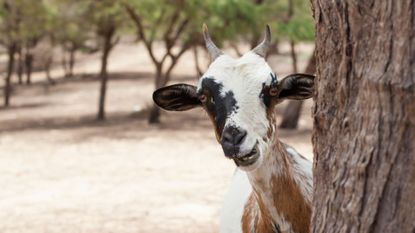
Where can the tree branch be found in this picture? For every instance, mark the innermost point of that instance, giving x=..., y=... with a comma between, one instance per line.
x=140, y=30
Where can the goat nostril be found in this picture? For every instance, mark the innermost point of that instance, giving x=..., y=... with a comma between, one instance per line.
x=227, y=137
x=231, y=140
x=240, y=137
x=233, y=136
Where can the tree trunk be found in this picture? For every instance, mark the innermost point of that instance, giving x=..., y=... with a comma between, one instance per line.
x=199, y=71
x=20, y=65
x=291, y=114
x=64, y=63
x=364, y=116
x=11, y=50
x=104, y=75
x=293, y=56
x=71, y=61
x=161, y=80
x=48, y=64
x=154, y=117
x=29, y=66
x=293, y=110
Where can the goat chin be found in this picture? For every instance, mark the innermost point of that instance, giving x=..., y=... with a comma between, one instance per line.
x=234, y=203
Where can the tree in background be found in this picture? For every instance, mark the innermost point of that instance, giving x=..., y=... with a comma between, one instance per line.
x=167, y=28
x=165, y=21
x=292, y=111
x=35, y=25
x=295, y=24
x=364, y=117
x=107, y=18
x=71, y=32
x=10, y=23
x=21, y=22
x=177, y=25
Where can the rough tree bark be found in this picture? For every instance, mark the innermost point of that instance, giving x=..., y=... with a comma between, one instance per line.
x=364, y=116
x=292, y=112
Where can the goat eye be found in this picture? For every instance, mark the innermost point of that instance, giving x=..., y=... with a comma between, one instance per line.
x=203, y=98
x=273, y=91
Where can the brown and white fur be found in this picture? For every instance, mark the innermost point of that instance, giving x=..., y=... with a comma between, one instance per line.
x=239, y=96
x=282, y=191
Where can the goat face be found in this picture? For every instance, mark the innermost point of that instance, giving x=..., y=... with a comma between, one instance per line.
x=239, y=96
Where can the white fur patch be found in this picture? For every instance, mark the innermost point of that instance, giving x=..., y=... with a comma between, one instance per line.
x=304, y=168
x=244, y=77
x=234, y=203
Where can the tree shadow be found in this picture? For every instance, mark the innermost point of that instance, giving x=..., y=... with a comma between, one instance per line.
x=23, y=106
x=132, y=125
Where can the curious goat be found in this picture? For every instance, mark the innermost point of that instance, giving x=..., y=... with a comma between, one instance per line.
x=239, y=96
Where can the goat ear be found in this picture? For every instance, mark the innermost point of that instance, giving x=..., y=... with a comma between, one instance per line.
x=296, y=86
x=178, y=97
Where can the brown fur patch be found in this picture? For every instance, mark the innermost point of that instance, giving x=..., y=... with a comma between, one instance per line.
x=287, y=197
x=260, y=219
x=291, y=204
x=248, y=215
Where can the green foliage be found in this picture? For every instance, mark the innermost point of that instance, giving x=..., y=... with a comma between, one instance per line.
x=229, y=19
x=23, y=20
x=69, y=24
x=294, y=22
x=76, y=21
x=105, y=14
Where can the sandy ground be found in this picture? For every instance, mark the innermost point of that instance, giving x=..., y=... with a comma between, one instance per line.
x=61, y=171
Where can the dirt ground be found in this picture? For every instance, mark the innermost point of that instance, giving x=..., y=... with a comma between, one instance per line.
x=61, y=171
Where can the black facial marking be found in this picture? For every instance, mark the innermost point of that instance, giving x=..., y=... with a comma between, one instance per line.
x=273, y=79
x=223, y=105
x=264, y=95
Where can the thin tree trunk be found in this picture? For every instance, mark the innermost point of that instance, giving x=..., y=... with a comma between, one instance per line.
x=29, y=66
x=292, y=111
x=364, y=117
x=20, y=65
x=199, y=71
x=11, y=50
x=291, y=114
x=160, y=81
x=154, y=116
x=64, y=63
x=104, y=75
x=71, y=61
x=47, y=71
x=293, y=56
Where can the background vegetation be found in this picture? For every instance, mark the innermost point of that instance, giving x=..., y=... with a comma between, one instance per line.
x=96, y=26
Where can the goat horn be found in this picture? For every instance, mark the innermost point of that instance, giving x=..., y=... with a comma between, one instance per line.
x=263, y=47
x=214, y=51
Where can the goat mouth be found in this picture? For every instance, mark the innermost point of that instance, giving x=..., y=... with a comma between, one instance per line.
x=248, y=159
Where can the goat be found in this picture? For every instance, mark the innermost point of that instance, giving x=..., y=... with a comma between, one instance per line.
x=239, y=96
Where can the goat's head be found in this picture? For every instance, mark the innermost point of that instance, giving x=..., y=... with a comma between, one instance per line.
x=239, y=96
